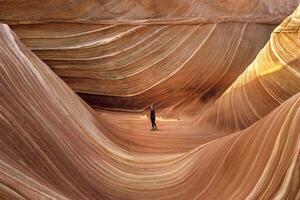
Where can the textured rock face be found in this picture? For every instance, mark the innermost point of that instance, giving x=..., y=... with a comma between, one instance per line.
x=271, y=79
x=244, y=144
x=139, y=11
x=122, y=66
x=130, y=54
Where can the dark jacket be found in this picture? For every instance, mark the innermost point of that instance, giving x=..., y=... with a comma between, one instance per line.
x=152, y=114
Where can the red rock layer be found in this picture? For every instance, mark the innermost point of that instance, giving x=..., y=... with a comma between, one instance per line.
x=54, y=147
x=126, y=55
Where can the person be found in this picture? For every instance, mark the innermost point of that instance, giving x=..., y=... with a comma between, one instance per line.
x=152, y=117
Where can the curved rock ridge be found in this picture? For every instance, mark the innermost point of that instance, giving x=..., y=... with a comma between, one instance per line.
x=272, y=78
x=120, y=67
x=54, y=146
x=127, y=55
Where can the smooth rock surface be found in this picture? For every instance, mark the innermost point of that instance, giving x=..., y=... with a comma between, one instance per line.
x=229, y=108
x=126, y=55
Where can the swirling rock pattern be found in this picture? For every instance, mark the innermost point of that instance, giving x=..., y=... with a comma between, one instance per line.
x=128, y=64
x=245, y=144
x=126, y=55
x=272, y=78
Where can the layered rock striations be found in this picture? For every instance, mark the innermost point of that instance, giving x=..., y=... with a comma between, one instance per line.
x=243, y=141
x=117, y=54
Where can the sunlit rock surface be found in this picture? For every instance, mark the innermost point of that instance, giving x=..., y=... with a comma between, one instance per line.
x=234, y=85
x=126, y=55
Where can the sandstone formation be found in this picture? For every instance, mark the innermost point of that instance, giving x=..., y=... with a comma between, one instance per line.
x=117, y=54
x=225, y=81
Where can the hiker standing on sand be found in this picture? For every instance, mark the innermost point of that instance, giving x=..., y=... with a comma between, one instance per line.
x=152, y=117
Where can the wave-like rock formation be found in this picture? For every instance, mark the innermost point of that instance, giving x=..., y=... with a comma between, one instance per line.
x=271, y=79
x=244, y=144
x=130, y=67
x=126, y=55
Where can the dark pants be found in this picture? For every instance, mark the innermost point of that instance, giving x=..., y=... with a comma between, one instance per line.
x=153, y=124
